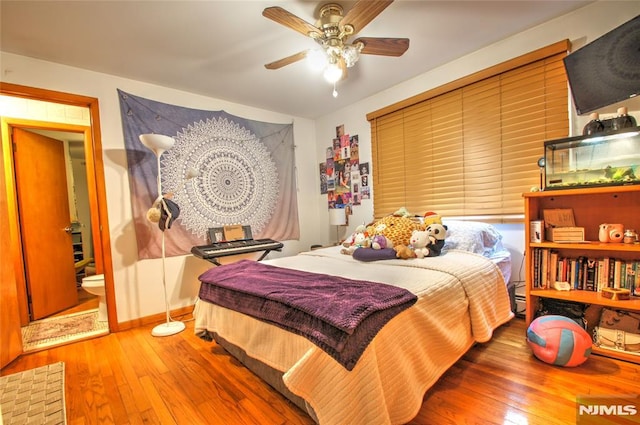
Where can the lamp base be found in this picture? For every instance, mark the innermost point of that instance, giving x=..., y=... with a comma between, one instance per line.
x=166, y=329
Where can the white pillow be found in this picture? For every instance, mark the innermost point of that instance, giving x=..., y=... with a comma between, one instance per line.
x=473, y=236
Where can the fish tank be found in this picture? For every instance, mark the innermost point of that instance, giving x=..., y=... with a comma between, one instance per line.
x=601, y=159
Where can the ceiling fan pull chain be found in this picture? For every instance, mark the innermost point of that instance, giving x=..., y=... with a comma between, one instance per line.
x=335, y=92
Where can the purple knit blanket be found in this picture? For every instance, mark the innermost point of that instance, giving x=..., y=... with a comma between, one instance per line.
x=339, y=315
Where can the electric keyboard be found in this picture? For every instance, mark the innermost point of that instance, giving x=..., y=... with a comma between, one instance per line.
x=223, y=249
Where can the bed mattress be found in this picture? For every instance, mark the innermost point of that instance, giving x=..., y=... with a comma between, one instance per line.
x=462, y=298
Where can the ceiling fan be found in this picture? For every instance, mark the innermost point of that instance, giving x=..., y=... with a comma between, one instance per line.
x=332, y=32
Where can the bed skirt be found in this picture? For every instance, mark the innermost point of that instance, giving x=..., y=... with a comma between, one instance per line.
x=268, y=374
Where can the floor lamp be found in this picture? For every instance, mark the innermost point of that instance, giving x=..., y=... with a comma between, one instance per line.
x=158, y=143
x=337, y=217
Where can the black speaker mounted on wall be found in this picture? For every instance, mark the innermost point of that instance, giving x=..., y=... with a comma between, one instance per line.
x=606, y=70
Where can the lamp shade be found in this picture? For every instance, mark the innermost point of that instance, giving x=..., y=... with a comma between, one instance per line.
x=337, y=217
x=157, y=143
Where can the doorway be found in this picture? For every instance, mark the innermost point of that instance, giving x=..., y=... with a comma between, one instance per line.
x=54, y=216
x=15, y=283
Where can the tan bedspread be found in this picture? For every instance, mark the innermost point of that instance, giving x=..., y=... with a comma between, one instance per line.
x=462, y=299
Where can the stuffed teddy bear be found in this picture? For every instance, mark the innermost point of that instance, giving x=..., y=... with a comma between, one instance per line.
x=359, y=239
x=419, y=241
x=404, y=252
x=349, y=240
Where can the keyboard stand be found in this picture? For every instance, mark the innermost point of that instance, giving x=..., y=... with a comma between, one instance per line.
x=214, y=260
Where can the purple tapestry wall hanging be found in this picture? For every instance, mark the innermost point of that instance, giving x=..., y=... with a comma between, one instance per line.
x=245, y=174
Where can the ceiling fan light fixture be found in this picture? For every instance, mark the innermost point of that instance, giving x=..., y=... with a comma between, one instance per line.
x=317, y=59
x=351, y=54
x=332, y=73
x=332, y=31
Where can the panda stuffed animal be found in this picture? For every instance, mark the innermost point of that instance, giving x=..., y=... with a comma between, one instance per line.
x=436, y=234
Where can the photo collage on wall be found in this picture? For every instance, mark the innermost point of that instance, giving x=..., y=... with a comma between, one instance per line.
x=343, y=177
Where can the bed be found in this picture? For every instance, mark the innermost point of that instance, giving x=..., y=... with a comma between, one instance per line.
x=461, y=297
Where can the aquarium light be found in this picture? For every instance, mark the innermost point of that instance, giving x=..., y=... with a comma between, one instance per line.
x=610, y=137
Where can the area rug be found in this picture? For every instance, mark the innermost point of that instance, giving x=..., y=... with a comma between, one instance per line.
x=53, y=331
x=35, y=396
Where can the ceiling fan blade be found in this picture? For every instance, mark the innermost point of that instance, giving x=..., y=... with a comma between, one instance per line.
x=287, y=61
x=383, y=46
x=290, y=20
x=363, y=12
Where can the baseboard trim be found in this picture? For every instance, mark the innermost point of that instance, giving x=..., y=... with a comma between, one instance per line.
x=183, y=313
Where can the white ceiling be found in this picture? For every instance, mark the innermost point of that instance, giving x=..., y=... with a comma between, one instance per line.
x=219, y=48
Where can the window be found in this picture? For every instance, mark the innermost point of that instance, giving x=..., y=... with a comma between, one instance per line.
x=470, y=148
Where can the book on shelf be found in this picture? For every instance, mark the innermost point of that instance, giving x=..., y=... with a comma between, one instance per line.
x=630, y=275
x=584, y=273
x=553, y=269
x=612, y=273
x=573, y=275
x=578, y=283
x=603, y=270
x=590, y=274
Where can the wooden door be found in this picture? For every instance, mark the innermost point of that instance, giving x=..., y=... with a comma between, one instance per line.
x=10, y=333
x=41, y=181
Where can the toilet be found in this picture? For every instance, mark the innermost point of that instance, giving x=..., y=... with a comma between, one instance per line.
x=95, y=285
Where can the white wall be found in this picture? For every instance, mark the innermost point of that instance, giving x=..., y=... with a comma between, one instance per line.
x=138, y=284
x=581, y=27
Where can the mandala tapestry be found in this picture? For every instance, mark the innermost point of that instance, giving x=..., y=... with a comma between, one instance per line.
x=244, y=174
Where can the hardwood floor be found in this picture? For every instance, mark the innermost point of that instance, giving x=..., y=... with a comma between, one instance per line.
x=131, y=377
x=86, y=301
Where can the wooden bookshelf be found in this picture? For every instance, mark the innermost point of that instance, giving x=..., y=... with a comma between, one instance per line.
x=591, y=207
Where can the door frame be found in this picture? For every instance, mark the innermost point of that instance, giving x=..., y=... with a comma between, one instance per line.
x=95, y=183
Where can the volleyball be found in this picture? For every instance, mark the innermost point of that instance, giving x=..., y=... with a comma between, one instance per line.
x=559, y=341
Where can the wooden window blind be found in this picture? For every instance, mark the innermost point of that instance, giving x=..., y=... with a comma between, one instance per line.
x=471, y=149
x=392, y=181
